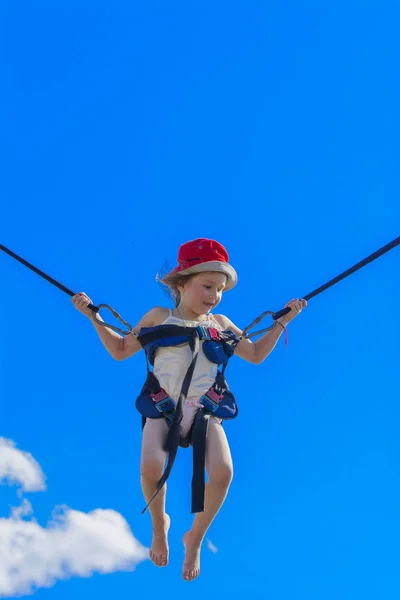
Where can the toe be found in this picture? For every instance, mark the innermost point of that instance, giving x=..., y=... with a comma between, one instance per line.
x=189, y=574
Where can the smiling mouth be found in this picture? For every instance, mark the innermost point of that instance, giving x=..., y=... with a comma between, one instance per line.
x=209, y=304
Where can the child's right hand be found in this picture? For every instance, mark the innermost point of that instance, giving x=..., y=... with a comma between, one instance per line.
x=81, y=302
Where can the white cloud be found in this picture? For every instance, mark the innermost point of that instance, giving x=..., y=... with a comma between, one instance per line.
x=211, y=546
x=23, y=510
x=75, y=543
x=72, y=544
x=18, y=467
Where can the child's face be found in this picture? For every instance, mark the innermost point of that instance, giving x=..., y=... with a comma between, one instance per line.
x=203, y=292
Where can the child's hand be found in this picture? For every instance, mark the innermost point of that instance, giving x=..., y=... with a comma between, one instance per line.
x=296, y=307
x=81, y=302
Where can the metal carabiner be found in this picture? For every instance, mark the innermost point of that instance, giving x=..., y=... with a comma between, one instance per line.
x=247, y=336
x=96, y=310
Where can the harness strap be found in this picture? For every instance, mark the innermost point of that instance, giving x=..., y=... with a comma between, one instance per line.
x=152, y=334
x=198, y=432
x=174, y=434
x=199, y=441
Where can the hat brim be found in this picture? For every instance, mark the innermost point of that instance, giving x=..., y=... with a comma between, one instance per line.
x=213, y=265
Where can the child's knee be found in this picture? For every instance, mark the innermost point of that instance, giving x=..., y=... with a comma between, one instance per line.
x=151, y=470
x=221, y=475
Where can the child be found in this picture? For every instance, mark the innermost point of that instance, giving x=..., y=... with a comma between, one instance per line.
x=197, y=284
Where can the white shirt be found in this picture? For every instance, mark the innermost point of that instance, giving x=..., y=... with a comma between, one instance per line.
x=172, y=363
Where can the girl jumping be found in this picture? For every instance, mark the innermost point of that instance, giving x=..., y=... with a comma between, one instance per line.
x=197, y=284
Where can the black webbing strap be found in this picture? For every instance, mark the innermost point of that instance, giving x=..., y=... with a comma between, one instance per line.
x=163, y=331
x=199, y=443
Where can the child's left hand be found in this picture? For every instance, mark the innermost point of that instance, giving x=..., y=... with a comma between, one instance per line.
x=296, y=307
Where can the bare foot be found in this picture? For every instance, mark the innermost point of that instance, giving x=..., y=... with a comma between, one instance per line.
x=159, y=545
x=191, y=563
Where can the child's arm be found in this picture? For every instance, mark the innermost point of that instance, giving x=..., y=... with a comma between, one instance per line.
x=258, y=351
x=130, y=345
x=119, y=347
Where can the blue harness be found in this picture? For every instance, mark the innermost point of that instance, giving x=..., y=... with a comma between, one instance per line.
x=154, y=402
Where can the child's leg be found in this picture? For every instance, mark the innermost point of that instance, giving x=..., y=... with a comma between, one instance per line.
x=151, y=469
x=220, y=470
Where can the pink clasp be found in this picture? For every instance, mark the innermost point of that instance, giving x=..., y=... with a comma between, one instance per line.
x=214, y=334
x=159, y=396
x=212, y=394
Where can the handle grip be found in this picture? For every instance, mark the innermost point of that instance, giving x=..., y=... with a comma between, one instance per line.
x=281, y=313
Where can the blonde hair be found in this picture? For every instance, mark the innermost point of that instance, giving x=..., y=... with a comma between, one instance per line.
x=171, y=283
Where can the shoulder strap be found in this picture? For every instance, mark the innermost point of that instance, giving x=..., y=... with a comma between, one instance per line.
x=152, y=334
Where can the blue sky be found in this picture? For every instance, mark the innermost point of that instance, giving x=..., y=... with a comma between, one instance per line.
x=129, y=128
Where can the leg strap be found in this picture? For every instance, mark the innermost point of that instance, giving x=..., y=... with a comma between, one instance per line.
x=199, y=443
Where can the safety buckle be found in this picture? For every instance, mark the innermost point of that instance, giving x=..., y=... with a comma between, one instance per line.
x=208, y=333
x=159, y=396
x=162, y=401
x=211, y=400
x=214, y=334
x=202, y=332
